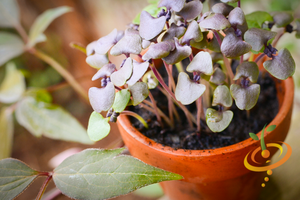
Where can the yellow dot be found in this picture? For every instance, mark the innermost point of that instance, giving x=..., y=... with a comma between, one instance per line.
x=266, y=179
x=269, y=172
x=265, y=153
x=263, y=185
x=268, y=161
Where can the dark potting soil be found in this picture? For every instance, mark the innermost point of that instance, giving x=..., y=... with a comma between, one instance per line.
x=238, y=130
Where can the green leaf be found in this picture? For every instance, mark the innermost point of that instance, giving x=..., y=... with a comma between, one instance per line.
x=13, y=85
x=50, y=120
x=6, y=132
x=42, y=22
x=152, y=9
x=150, y=191
x=150, y=79
x=271, y=128
x=222, y=96
x=218, y=121
x=10, y=46
x=121, y=100
x=15, y=176
x=101, y=174
x=253, y=136
x=9, y=13
x=98, y=127
x=256, y=19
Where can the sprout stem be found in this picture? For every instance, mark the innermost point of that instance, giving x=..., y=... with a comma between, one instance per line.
x=173, y=107
x=259, y=57
x=78, y=47
x=185, y=110
x=135, y=115
x=43, y=188
x=62, y=71
x=239, y=3
x=199, y=110
x=226, y=61
x=155, y=109
x=165, y=117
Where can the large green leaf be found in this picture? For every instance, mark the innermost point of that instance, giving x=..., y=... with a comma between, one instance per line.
x=121, y=100
x=6, y=133
x=42, y=22
x=257, y=18
x=10, y=46
x=9, y=13
x=13, y=85
x=101, y=174
x=15, y=176
x=50, y=120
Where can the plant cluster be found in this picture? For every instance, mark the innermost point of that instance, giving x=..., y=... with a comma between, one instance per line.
x=172, y=31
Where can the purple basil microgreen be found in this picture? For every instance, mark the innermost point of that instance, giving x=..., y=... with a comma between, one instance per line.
x=106, y=70
x=218, y=77
x=209, y=41
x=191, y=10
x=202, y=63
x=139, y=92
x=150, y=79
x=179, y=53
x=131, y=43
x=258, y=38
x=258, y=18
x=151, y=27
x=174, y=31
x=139, y=70
x=97, y=60
x=245, y=97
x=297, y=29
x=145, y=44
x=247, y=70
x=102, y=99
x=105, y=43
x=222, y=8
x=281, y=66
x=158, y=50
x=232, y=46
x=215, y=22
x=188, y=91
x=120, y=77
x=222, y=96
x=121, y=100
x=236, y=17
x=90, y=48
x=193, y=32
x=282, y=18
x=217, y=121
x=229, y=1
x=175, y=5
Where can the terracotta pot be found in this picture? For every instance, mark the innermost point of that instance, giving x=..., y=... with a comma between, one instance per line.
x=211, y=174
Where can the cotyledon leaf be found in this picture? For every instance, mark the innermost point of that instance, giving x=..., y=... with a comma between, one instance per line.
x=100, y=174
x=50, y=120
x=9, y=13
x=98, y=127
x=15, y=176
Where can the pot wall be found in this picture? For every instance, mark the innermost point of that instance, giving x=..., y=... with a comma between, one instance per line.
x=204, y=171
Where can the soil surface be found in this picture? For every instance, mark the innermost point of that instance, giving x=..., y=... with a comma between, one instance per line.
x=238, y=130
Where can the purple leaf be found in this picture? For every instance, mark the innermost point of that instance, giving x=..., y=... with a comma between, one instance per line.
x=245, y=98
x=102, y=99
x=151, y=27
x=248, y=70
x=138, y=72
x=106, y=70
x=202, y=62
x=120, y=77
x=191, y=10
x=237, y=17
x=180, y=53
x=158, y=50
x=175, y=5
x=222, y=8
x=193, y=32
x=258, y=38
x=174, y=31
x=215, y=21
x=97, y=60
x=106, y=42
x=187, y=91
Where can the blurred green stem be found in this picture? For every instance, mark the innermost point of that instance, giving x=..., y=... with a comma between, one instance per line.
x=62, y=71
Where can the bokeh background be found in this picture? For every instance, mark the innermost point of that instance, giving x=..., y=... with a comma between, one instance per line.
x=90, y=20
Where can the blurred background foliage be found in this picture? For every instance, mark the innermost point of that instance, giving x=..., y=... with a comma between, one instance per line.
x=90, y=20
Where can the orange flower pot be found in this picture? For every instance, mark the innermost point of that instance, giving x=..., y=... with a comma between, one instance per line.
x=211, y=174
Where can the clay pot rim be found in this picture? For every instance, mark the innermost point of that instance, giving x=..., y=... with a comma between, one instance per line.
x=287, y=102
